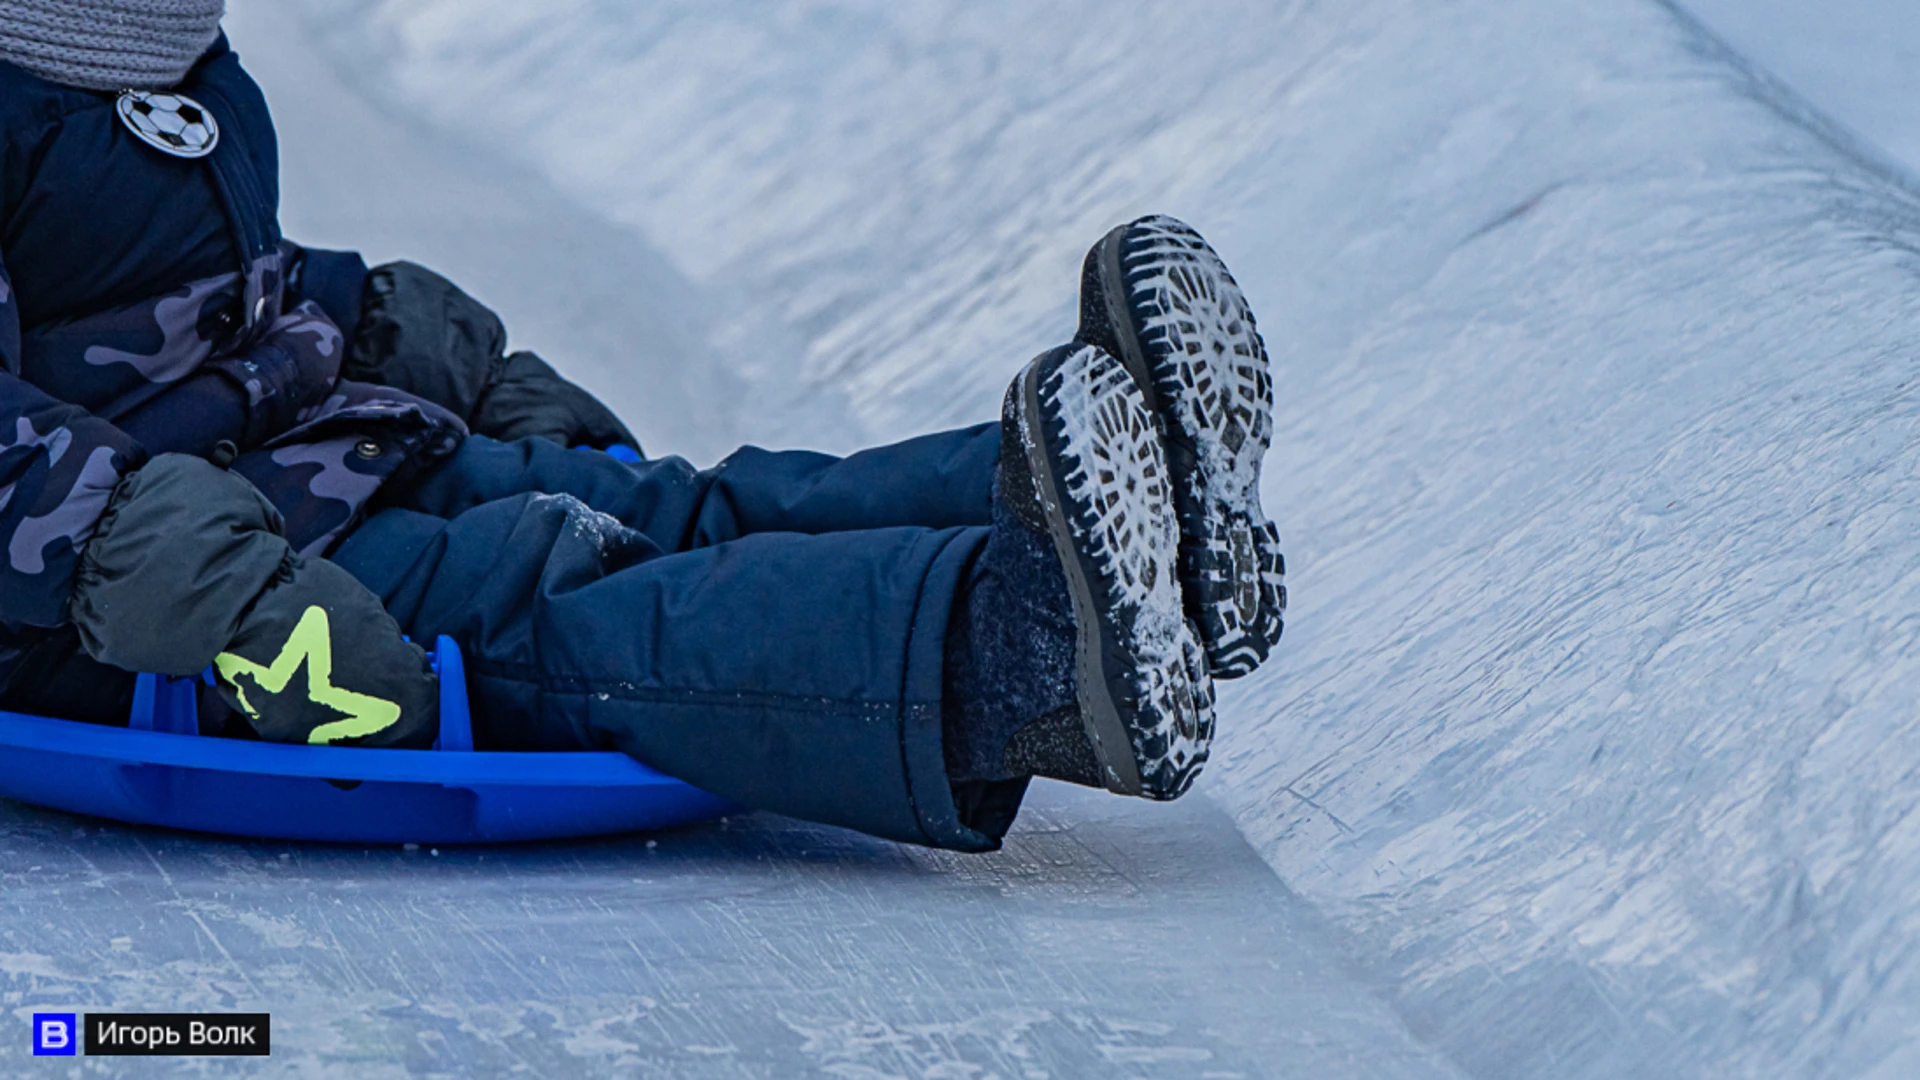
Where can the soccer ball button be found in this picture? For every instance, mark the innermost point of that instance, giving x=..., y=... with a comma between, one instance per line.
x=170, y=123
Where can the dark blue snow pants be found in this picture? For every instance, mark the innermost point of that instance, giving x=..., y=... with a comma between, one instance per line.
x=769, y=629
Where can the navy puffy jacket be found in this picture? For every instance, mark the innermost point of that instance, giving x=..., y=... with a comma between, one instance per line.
x=148, y=304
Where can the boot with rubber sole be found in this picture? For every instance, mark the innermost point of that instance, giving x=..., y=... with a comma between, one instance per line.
x=1159, y=299
x=1084, y=466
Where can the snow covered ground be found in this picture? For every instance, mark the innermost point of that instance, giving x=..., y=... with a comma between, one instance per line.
x=1104, y=941
x=1593, y=741
x=1857, y=61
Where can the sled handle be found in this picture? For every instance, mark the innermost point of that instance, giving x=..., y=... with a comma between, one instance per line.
x=456, y=723
x=164, y=704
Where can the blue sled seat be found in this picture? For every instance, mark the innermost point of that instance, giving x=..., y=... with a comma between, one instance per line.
x=159, y=770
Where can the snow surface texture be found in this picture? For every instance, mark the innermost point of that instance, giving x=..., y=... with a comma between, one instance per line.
x=1856, y=60
x=1596, y=439
x=1596, y=457
x=1594, y=448
x=1111, y=938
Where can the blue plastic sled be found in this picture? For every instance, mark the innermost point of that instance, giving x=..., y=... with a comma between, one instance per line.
x=160, y=771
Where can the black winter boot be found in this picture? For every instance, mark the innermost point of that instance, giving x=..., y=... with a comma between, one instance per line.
x=1157, y=297
x=1010, y=710
x=1070, y=656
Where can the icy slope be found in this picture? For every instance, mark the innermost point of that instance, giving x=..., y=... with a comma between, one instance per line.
x=1598, y=456
x=1858, y=61
x=1104, y=941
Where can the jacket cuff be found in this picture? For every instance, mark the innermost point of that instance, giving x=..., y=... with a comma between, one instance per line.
x=333, y=280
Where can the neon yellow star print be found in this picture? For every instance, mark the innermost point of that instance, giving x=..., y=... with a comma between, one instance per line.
x=311, y=642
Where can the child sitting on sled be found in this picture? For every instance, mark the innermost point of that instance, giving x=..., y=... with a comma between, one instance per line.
x=219, y=448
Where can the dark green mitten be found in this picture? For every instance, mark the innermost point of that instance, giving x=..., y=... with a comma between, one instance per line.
x=187, y=568
x=318, y=660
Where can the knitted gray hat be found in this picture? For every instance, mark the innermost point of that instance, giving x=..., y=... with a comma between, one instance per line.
x=108, y=44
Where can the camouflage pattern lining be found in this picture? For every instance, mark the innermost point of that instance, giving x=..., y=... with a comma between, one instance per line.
x=229, y=356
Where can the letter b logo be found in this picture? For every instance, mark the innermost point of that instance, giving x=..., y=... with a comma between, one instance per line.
x=53, y=1034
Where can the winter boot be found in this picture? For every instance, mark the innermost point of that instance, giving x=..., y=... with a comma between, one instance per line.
x=1071, y=657
x=1157, y=297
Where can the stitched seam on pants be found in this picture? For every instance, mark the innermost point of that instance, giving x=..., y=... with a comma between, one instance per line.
x=900, y=717
x=584, y=686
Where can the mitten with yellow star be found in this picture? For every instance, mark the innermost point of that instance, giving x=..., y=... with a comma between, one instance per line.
x=187, y=569
x=318, y=660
